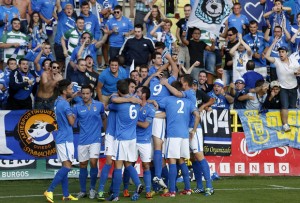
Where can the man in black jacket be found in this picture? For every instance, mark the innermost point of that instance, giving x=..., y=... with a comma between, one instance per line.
x=137, y=48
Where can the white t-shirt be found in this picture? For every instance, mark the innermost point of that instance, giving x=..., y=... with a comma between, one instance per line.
x=239, y=64
x=257, y=102
x=285, y=72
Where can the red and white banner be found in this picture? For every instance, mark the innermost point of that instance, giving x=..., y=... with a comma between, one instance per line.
x=280, y=161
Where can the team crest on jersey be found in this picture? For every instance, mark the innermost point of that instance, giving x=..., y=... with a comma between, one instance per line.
x=212, y=11
x=35, y=131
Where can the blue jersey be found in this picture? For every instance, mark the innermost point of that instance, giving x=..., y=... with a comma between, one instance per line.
x=91, y=25
x=62, y=110
x=237, y=22
x=89, y=50
x=296, y=45
x=257, y=45
x=191, y=95
x=90, y=121
x=178, y=111
x=64, y=24
x=152, y=70
x=109, y=81
x=46, y=8
x=126, y=120
x=220, y=101
x=146, y=114
x=149, y=27
x=11, y=12
x=117, y=39
x=159, y=91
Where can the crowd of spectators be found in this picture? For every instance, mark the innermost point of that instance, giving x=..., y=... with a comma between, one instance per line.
x=44, y=41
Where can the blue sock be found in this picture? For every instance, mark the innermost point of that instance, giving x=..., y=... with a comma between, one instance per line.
x=172, y=177
x=147, y=180
x=126, y=178
x=59, y=176
x=112, y=181
x=93, y=175
x=134, y=176
x=117, y=182
x=186, y=176
x=65, y=186
x=165, y=174
x=198, y=174
x=157, y=160
x=103, y=177
x=205, y=168
x=83, y=174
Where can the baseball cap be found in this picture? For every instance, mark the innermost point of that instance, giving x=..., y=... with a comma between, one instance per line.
x=219, y=82
x=195, y=82
x=283, y=48
x=274, y=83
x=240, y=80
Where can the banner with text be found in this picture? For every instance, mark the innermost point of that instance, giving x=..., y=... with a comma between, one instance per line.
x=264, y=131
x=216, y=132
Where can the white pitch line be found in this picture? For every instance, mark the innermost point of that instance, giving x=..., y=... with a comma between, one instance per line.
x=225, y=189
x=280, y=187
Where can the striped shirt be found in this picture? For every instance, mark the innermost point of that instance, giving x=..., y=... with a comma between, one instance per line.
x=73, y=36
x=14, y=37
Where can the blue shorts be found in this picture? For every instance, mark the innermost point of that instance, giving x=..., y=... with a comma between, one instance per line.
x=288, y=98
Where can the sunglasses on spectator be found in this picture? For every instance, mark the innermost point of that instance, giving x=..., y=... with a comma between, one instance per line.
x=239, y=83
x=55, y=67
x=230, y=35
x=116, y=12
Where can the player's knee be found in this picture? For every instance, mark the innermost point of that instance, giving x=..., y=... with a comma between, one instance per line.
x=146, y=166
x=199, y=156
x=83, y=164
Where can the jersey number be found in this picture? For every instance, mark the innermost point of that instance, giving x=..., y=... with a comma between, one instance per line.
x=132, y=112
x=157, y=89
x=180, y=110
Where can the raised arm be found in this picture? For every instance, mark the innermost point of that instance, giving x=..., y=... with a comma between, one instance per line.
x=268, y=54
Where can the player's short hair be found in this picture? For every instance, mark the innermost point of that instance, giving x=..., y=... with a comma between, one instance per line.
x=252, y=22
x=87, y=87
x=11, y=59
x=177, y=85
x=21, y=60
x=139, y=26
x=53, y=62
x=114, y=60
x=259, y=83
x=122, y=86
x=85, y=3
x=44, y=61
x=79, y=18
x=146, y=90
x=118, y=7
x=63, y=85
x=233, y=30
x=14, y=19
x=250, y=65
x=145, y=66
x=134, y=71
x=79, y=60
x=154, y=54
x=160, y=45
x=188, y=78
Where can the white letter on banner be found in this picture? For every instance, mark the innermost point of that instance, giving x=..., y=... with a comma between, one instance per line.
x=269, y=167
x=243, y=147
x=224, y=167
x=285, y=151
x=215, y=117
x=254, y=167
x=223, y=121
x=284, y=168
x=204, y=120
x=239, y=167
x=3, y=147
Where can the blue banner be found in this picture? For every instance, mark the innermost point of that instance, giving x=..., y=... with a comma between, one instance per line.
x=27, y=135
x=264, y=131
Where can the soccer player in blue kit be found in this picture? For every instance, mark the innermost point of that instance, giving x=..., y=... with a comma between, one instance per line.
x=158, y=92
x=64, y=140
x=199, y=163
x=144, y=135
x=125, y=141
x=91, y=117
x=178, y=112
